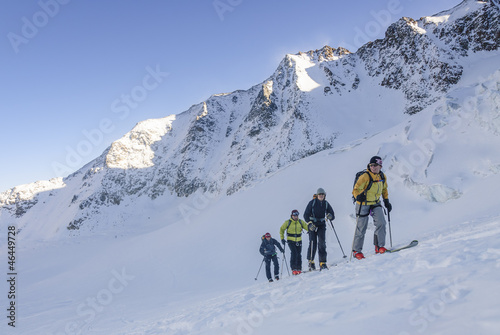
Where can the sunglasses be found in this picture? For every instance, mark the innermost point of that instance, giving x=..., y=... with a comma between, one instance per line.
x=321, y=193
x=295, y=214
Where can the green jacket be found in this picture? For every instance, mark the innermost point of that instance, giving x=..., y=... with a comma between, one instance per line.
x=294, y=229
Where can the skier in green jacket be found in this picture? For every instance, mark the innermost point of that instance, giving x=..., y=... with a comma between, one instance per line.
x=293, y=227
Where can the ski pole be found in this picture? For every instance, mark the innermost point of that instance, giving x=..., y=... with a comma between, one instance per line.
x=338, y=239
x=283, y=261
x=390, y=233
x=352, y=246
x=259, y=268
x=311, y=245
x=286, y=264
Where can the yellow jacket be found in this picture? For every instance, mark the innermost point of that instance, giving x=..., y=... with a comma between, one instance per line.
x=294, y=230
x=378, y=188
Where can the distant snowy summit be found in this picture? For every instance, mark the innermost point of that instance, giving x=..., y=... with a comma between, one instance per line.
x=314, y=101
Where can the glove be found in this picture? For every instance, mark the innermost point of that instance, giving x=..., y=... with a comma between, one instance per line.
x=312, y=227
x=361, y=197
x=330, y=216
x=388, y=205
x=283, y=241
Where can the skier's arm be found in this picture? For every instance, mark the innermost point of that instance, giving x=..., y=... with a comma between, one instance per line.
x=261, y=250
x=361, y=184
x=308, y=212
x=385, y=193
x=329, y=210
x=278, y=245
x=282, y=230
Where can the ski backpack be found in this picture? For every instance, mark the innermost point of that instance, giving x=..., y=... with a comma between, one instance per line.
x=359, y=174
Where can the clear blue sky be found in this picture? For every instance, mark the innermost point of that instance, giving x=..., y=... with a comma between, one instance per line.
x=77, y=75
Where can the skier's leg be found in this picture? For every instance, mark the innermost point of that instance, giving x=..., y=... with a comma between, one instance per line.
x=311, y=252
x=293, y=255
x=379, y=222
x=276, y=266
x=361, y=225
x=322, y=244
x=268, y=267
x=298, y=250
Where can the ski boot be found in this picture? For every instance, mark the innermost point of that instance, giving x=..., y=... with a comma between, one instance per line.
x=312, y=267
x=380, y=250
x=358, y=254
x=322, y=266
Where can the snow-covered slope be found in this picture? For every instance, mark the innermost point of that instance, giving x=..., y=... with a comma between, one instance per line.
x=196, y=275
x=110, y=250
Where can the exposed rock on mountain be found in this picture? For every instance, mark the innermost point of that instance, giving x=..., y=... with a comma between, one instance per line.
x=231, y=141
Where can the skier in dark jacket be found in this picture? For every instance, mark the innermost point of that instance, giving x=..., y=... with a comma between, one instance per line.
x=268, y=250
x=316, y=213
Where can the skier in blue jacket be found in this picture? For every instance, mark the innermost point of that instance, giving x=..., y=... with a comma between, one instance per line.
x=268, y=250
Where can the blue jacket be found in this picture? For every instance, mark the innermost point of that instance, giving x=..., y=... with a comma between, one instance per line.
x=267, y=248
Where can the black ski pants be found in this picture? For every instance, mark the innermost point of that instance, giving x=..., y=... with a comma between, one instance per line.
x=317, y=240
x=268, y=266
x=295, y=255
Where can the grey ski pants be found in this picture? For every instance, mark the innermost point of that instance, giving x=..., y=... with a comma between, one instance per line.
x=362, y=224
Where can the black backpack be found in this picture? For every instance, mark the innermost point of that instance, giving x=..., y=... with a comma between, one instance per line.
x=359, y=174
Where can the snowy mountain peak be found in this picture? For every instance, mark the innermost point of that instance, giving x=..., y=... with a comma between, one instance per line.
x=133, y=150
x=326, y=53
x=314, y=101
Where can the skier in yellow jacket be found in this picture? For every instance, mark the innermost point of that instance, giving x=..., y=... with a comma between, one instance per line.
x=367, y=191
x=293, y=227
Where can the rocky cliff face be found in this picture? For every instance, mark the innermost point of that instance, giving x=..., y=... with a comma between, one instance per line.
x=232, y=140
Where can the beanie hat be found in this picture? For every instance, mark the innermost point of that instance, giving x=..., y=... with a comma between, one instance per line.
x=376, y=160
x=267, y=235
x=295, y=212
x=320, y=191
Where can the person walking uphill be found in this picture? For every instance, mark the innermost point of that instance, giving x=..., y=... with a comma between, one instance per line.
x=293, y=228
x=268, y=250
x=315, y=213
x=367, y=191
